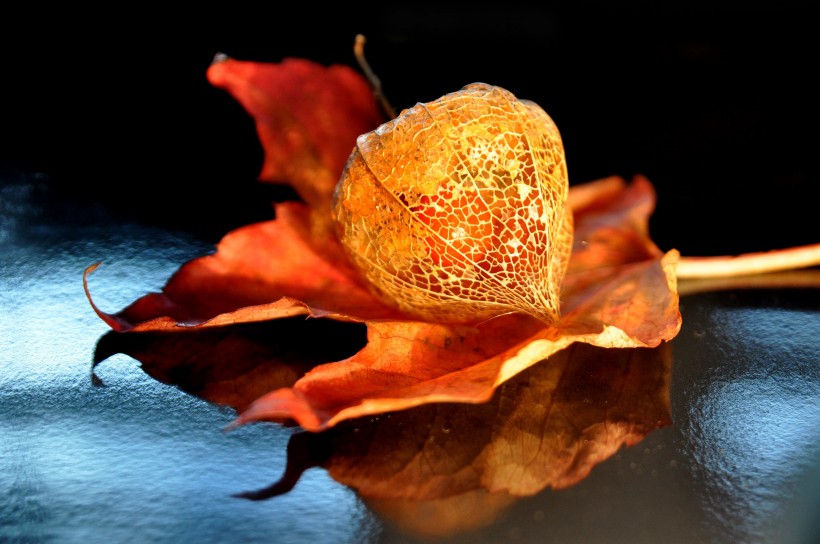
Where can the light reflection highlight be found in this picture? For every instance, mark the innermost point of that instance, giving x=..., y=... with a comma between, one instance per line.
x=754, y=424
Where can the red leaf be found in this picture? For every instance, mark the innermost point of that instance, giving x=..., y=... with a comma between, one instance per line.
x=307, y=117
x=619, y=291
x=262, y=271
x=630, y=302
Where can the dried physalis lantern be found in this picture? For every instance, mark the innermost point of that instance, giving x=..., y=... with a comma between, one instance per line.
x=456, y=211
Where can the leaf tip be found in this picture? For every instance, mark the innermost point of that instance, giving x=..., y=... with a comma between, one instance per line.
x=96, y=381
x=87, y=272
x=91, y=268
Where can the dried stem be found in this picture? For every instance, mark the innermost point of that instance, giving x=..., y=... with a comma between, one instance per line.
x=749, y=263
x=358, y=50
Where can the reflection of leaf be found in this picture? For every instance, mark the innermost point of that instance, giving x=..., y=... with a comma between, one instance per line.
x=619, y=291
x=195, y=360
x=546, y=427
x=469, y=511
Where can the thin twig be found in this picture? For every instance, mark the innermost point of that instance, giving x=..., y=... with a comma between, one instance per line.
x=749, y=263
x=375, y=83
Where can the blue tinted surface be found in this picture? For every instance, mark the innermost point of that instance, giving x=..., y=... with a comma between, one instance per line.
x=141, y=461
x=135, y=460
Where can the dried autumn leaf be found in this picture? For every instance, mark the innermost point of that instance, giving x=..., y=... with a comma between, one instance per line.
x=617, y=295
x=261, y=271
x=408, y=363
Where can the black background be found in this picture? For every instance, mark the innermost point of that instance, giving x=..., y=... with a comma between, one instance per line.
x=716, y=104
